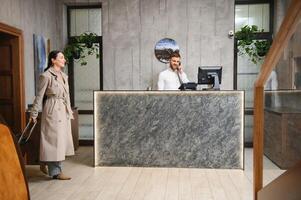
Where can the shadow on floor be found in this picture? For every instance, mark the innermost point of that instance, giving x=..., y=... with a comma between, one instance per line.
x=33, y=174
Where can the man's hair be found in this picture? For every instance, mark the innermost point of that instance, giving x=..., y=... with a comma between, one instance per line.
x=175, y=54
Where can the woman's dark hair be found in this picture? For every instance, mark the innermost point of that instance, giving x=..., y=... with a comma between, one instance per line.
x=51, y=55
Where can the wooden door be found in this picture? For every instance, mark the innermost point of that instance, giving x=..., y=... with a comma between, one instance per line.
x=9, y=81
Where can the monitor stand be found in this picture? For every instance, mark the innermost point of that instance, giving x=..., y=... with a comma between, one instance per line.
x=216, y=85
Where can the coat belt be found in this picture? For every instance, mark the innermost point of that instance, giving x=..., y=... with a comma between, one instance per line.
x=69, y=110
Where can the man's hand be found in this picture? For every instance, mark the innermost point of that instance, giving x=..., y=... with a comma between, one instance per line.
x=180, y=70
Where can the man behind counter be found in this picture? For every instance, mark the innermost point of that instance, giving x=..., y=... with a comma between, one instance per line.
x=174, y=76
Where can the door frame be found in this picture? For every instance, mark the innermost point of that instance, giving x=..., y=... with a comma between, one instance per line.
x=18, y=73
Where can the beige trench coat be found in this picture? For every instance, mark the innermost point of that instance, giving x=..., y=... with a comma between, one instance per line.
x=56, y=137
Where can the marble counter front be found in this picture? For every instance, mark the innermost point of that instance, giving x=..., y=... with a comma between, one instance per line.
x=202, y=129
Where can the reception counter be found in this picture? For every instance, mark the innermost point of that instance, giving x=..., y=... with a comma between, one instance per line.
x=201, y=129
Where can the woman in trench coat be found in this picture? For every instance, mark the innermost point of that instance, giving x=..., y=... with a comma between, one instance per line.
x=56, y=138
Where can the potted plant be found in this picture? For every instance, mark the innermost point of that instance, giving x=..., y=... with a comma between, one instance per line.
x=82, y=46
x=262, y=47
x=247, y=45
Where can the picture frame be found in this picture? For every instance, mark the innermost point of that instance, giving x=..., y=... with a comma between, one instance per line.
x=40, y=57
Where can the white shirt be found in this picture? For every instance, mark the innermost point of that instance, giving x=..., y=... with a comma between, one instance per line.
x=168, y=80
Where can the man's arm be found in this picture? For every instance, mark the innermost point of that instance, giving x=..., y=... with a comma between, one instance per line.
x=161, y=82
x=182, y=74
x=184, y=77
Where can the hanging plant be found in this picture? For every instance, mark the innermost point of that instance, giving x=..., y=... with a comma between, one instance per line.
x=83, y=46
x=249, y=46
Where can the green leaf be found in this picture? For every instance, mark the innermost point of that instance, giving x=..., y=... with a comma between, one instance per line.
x=247, y=45
x=79, y=47
x=83, y=63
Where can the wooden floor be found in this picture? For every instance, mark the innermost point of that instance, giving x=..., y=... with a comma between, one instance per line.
x=139, y=183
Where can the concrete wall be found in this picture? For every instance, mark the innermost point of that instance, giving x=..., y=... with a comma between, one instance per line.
x=287, y=66
x=33, y=17
x=42, y=17
x=280, y=7
x=131, y=29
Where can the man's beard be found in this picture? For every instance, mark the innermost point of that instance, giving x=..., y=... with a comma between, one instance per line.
x=173, y=69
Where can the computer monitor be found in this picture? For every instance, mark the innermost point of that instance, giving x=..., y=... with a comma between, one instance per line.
x=210, y=75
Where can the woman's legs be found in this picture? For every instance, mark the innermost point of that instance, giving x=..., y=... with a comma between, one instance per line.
x=43, y=168
x=54, y=168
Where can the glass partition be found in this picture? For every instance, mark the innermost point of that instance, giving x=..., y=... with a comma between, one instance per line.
x=282, y=113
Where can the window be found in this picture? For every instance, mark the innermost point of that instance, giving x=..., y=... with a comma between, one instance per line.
x=85, y=79
x=253, y=14
x=246, y=72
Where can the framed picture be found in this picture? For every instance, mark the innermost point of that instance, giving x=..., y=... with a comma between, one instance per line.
x=164, y=48
x=40, y=57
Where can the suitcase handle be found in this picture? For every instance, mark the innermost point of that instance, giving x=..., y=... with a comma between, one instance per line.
x=24, y=131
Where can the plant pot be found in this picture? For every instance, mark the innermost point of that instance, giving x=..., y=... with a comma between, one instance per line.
x=89, y=45
x=76, y=54
x=261, y=54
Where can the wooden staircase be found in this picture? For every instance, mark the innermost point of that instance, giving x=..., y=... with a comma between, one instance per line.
x=13, y=183
x=285, y=187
